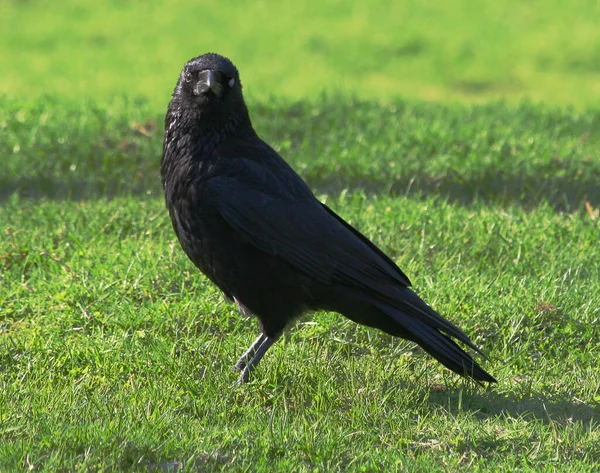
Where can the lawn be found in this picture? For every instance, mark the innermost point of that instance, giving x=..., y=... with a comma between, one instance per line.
x=116, y=354
x=440, y=50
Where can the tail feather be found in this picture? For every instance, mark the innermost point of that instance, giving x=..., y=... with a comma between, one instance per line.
x=447, y=352
x=411, y=303
x=438, y=344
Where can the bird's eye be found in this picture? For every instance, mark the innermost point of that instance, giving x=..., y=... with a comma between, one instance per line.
x=187, y=76
x=231, y=82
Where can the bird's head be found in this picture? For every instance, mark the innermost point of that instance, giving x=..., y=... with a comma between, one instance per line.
x=208, y=100
x=209, y=81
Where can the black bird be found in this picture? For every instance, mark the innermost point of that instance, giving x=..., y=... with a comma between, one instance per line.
x=255, y=229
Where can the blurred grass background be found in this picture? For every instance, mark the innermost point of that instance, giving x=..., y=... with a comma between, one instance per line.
x=115, y=353
x=460, y=50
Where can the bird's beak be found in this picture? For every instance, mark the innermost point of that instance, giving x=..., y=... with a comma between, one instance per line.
x=209, y=81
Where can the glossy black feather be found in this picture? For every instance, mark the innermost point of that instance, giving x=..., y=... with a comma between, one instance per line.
x=252, y=225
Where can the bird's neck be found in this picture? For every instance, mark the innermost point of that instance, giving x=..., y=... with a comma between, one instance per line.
x=201, y=136
x=211, y=128
x=220, y=126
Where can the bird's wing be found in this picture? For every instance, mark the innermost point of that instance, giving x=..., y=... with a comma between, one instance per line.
x=369, y=243
x=291, y=223
x=274, y=210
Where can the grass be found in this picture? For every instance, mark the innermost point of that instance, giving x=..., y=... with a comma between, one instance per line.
x=436, y=50
x=116, y=354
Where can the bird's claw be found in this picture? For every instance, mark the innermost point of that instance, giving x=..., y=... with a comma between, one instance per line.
x=244, y=376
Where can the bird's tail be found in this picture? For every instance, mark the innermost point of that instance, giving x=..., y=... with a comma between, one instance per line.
x=402, y=313
x=432, y=332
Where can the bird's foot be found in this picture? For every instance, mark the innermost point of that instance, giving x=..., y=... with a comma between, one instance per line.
x=244, y=375
x=240, y=364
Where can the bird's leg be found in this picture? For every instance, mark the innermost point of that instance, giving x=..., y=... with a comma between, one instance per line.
x=260, y=352
x=249, y=353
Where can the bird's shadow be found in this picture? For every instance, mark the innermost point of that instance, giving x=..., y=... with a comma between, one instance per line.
x=558, y=413
x=530, y=407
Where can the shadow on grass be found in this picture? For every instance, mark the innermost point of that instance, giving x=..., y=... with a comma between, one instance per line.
x=527, y=154
x=564, y=193
x=534, y=407
x=71, y=188
x=561, y=416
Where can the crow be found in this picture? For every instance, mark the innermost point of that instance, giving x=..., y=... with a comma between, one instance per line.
x=255, y=229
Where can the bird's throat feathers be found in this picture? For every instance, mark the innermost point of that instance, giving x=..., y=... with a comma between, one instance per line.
x=208, y=124
x=210, y=116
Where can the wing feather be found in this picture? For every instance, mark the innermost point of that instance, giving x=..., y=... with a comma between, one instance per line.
x=305, y=233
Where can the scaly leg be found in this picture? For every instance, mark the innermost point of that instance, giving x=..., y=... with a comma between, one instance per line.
x=249, y=353
x=258, y=354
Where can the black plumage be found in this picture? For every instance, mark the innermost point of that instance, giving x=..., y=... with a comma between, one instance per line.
x=254, y=228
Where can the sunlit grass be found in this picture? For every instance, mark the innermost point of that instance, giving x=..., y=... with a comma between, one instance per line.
x=116, y=354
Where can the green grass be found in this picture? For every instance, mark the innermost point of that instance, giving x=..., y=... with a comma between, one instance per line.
x=435, y=50
x=116, y=354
